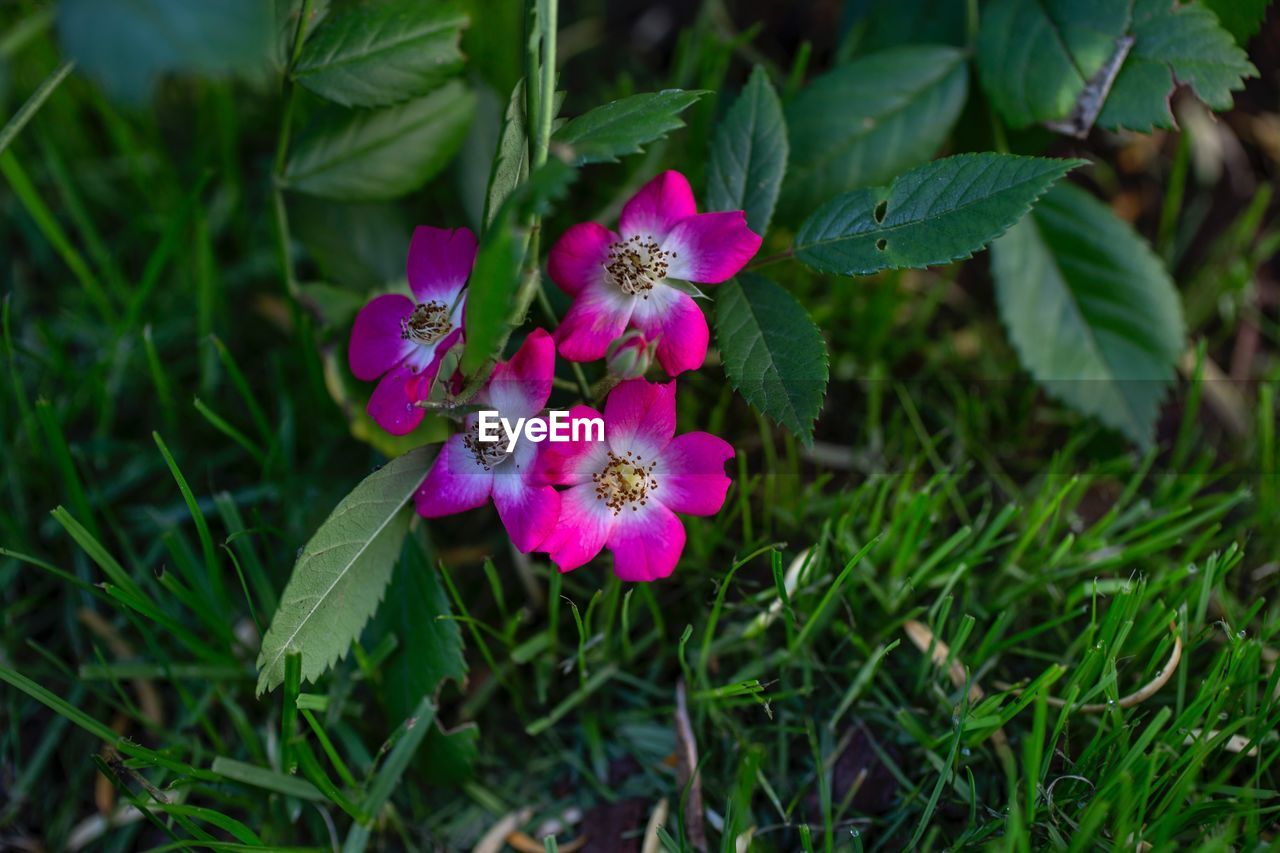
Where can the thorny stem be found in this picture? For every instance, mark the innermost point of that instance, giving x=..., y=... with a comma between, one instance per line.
x=540, y=80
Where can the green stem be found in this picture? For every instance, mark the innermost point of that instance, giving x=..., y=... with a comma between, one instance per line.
x=584, y=387
x=282, y=152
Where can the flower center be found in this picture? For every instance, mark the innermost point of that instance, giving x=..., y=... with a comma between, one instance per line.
x=488, y=454
x=428, y=323
x=637, y=264
x=625, y=480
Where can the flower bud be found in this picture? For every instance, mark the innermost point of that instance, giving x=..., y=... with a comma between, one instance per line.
x=630, y=355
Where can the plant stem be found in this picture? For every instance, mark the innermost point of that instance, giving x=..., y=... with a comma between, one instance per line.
x=584, y=387
x=282, y=152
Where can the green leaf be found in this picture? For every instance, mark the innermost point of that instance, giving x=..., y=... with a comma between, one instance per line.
x=430, y=649
x=621, y=127
x=126, y=45
x=893, y=23
x=1090, y=309
x=865, y=122
x=511, y=159
x=376, y=55
x=342, y=572
x=1241, y=18
x=382, y=154
x=1035, y=57
x=491, y=290
x=1183, y=43
x=749, y=154
x=934, y=214
x=773, y=353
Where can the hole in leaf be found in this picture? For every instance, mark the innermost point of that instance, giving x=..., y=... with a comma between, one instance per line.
x=880, y=211
x=881, y=244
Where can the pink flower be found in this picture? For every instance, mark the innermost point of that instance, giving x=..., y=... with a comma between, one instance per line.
x=621, y=280
x=403, y=341
x=468, y=471
x=624, y=492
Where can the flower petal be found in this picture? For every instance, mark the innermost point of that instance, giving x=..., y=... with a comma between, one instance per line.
x=439, y=262
x=455, y=483
x=569, y=463
x=392, y=403
x=584, y=526
x=528, y=511
x=690, y=473
x=657, y=207
x=599, y=315
x=646, y=544
x=520, y=387
x=710, y=247
x=679, y=326
x=640, y=416
x=376, y=345
x=577, y=259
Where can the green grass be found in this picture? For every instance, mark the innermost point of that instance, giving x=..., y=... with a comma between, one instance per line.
x=171, y=440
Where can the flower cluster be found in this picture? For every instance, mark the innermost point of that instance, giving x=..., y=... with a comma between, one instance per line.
x=572, y=499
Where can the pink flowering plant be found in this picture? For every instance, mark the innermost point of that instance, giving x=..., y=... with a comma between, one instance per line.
x=544, y=377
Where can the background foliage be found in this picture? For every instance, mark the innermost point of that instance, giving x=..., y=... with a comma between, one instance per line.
x=977, y=505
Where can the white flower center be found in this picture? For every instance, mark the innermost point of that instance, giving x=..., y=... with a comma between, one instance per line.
x=488, y=454
x=428, y=323
x=624, y=481
x=637, y=264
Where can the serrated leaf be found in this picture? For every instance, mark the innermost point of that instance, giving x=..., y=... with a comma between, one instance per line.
x=1090, y=309
x=448, y=755
x=341, y=574
x=773, y=353
x=1035, y=57
x=430, y=649
x=382, y=54
x=749, y=154
x=1173, y=42
x=934, y=214
x=621, y=127
x=511, y=159
x=863, y=123
x=127, y=44
x=1241, y=18
x=382, y=154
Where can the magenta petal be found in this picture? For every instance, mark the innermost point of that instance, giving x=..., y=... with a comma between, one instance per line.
x=392, y=405
x=599, y=316
x=529, y=512
x=640, y=416
x=440, y=261
x=569, y=463
x=376, y=345
x=584, y=526
x=577, y=259
x=647, y=544
x=690, y=473
x=711, y=247
x=679, y=327
x=520, y=387
x=657, y=207
x=455, y=483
